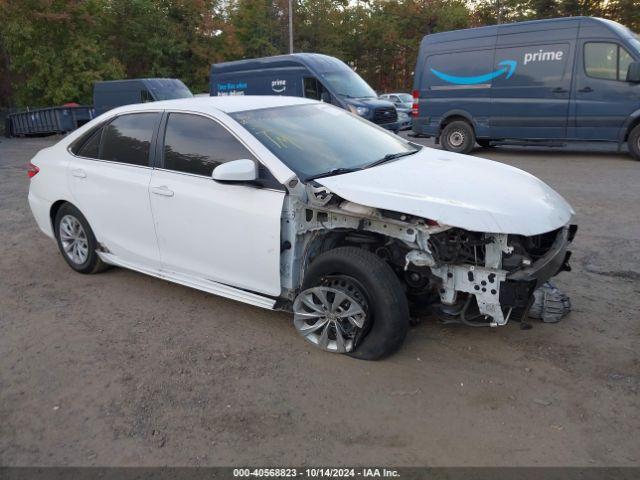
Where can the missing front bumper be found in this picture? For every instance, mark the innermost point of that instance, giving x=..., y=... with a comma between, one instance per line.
x=500, y=295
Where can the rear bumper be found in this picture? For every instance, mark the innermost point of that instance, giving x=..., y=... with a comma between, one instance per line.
x=517, y=290
x=40, y=209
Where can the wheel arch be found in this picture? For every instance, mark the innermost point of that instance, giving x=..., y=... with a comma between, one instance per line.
x=55, y=208
x=633, y=122
x=454, y=115
x=329, y=240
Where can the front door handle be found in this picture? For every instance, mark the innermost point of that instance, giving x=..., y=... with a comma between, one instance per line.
x=163, y=190
x=586, y=90
x=79, y=173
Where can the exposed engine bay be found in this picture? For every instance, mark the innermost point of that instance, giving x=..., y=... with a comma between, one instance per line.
x=476, y=278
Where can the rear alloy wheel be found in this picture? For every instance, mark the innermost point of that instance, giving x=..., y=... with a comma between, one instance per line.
x=458, y=137
x=73, y=238
x=634, y=142
x=76, y=240
x=352, y=302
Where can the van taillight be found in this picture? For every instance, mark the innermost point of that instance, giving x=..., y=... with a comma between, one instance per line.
x=416, y=102
x=32, y=170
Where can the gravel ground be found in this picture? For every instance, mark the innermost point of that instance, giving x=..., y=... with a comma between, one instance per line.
x=123, y=369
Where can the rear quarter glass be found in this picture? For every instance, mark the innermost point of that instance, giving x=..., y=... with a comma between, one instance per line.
x=456, y=64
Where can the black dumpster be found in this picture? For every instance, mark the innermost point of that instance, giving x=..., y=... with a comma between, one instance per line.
x=47, y=121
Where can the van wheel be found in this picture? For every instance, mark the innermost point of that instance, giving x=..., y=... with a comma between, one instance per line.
x=76, y=241
x=634, y=142
x=352, y=302
x=458, y=137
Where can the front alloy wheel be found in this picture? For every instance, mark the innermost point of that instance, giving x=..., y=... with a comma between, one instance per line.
x=331, y=316
x=352, y=302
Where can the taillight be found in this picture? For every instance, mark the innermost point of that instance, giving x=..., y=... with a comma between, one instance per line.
x=32, y=170
x=416, y=102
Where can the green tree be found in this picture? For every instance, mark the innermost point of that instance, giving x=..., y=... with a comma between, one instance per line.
x=259, y=26
x=54, y=52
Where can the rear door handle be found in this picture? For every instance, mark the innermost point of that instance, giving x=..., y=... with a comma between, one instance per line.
x=560, y=90
x=586, y=90
x=163, y=190
x=79, y=173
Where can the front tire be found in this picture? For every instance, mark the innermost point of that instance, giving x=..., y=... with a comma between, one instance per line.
x=76, y=240
x=634, y=142
x=352, y=302
x=458, y=137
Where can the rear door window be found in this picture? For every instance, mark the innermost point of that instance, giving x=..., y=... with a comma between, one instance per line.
x=196, y=144
x=127, y=139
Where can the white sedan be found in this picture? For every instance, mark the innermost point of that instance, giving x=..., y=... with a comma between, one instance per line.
x=287, y=203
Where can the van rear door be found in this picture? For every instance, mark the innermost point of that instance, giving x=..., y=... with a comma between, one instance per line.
x=532, y=100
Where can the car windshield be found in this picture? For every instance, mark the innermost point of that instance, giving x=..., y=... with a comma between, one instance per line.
x=405, y=97
x=348, y=83
x=320, y=140
x=636, y=44
x=169, y=89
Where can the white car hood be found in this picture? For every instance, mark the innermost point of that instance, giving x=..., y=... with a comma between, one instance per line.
x=457, y=190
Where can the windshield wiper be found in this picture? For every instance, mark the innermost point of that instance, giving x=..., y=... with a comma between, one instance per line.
x=334, y=171
x=391, y=156
x=341, y=170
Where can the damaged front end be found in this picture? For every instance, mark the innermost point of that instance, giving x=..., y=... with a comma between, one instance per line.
x=470, y=277
x=492, y=277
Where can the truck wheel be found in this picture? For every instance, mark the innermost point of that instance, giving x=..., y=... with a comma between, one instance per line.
x=634, y=142
x=458, y=137
x=352, y=302
x=76, y=240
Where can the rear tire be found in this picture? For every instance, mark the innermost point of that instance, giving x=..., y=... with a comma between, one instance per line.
x=76, y=240
x=384, y=301
x=634, y=142
x=458, y=137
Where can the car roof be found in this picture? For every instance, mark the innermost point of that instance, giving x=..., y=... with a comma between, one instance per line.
x=226, y=104
x=319, y=61
x=544, y=26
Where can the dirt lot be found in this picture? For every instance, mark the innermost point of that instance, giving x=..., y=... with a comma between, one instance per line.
x=123, y=369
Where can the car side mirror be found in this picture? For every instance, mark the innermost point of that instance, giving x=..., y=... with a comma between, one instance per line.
x=236, y=171
x=633, y=73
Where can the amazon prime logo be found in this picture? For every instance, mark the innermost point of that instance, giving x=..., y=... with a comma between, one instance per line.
x=541, y=56
x=279, y=86
x=507, y=69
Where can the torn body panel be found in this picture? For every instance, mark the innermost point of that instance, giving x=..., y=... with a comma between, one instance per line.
x=451, y=266
x=458, y=190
